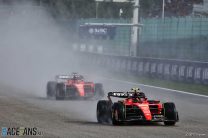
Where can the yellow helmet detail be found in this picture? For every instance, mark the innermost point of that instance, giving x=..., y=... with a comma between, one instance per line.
x=135, y=90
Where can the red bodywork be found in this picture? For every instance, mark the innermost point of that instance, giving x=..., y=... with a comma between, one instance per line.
x=83, y=88
x=149, y=109
x=134, y=108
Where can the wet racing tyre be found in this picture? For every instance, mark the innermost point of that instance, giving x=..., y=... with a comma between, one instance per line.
x=103, y=111
x=60, y=92
x=170, y=114
x=51, y=89
x=117, y=113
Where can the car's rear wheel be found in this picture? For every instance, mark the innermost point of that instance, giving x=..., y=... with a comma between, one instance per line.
x=51, y=89
x=170, y=114
x=60, y=93
x=103, y=111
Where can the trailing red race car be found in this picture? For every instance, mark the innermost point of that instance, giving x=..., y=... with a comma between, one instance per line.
x=135, y=107
x=73, y=86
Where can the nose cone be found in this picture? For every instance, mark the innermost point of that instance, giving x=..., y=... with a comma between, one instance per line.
x=146, y=111
x=148, y=117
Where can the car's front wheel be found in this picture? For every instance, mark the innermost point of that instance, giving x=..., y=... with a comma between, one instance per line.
x=170, y=114
x=117, y=113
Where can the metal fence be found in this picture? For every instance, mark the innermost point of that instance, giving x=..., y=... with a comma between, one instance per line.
x=173, y=28
x=177, y=70
x=158, y=29
x=172, y=38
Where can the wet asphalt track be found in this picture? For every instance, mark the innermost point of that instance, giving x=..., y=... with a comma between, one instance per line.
x=77, y=118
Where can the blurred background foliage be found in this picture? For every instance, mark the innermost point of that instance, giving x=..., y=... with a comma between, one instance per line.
x=92, y=9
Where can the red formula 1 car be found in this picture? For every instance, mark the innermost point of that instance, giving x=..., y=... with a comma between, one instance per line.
x=73, y=86
x=134, y=108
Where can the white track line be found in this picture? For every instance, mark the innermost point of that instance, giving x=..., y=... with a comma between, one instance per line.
x=183, y=92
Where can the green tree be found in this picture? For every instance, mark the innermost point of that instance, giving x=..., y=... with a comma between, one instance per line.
x=72, y=8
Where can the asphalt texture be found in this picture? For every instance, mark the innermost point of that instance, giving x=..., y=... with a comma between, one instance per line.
x=77, y=119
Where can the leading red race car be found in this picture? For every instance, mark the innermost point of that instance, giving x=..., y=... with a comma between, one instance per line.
x=73, y=86
x=135, y=107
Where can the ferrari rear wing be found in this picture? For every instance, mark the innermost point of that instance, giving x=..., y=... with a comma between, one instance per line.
x=63, y=76
x=118, y=94
x=126, y=94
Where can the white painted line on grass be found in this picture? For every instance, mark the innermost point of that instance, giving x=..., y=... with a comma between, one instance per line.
x=183, y=92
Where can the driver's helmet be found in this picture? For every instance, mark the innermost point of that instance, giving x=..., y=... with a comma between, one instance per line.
x=136, y=92
x=74, y=76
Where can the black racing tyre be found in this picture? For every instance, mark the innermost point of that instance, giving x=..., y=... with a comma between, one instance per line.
x=60, y=92
x=170, y=114
x=103, y=111
x=99, y=92
x=117, y=113
x=51, y=89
